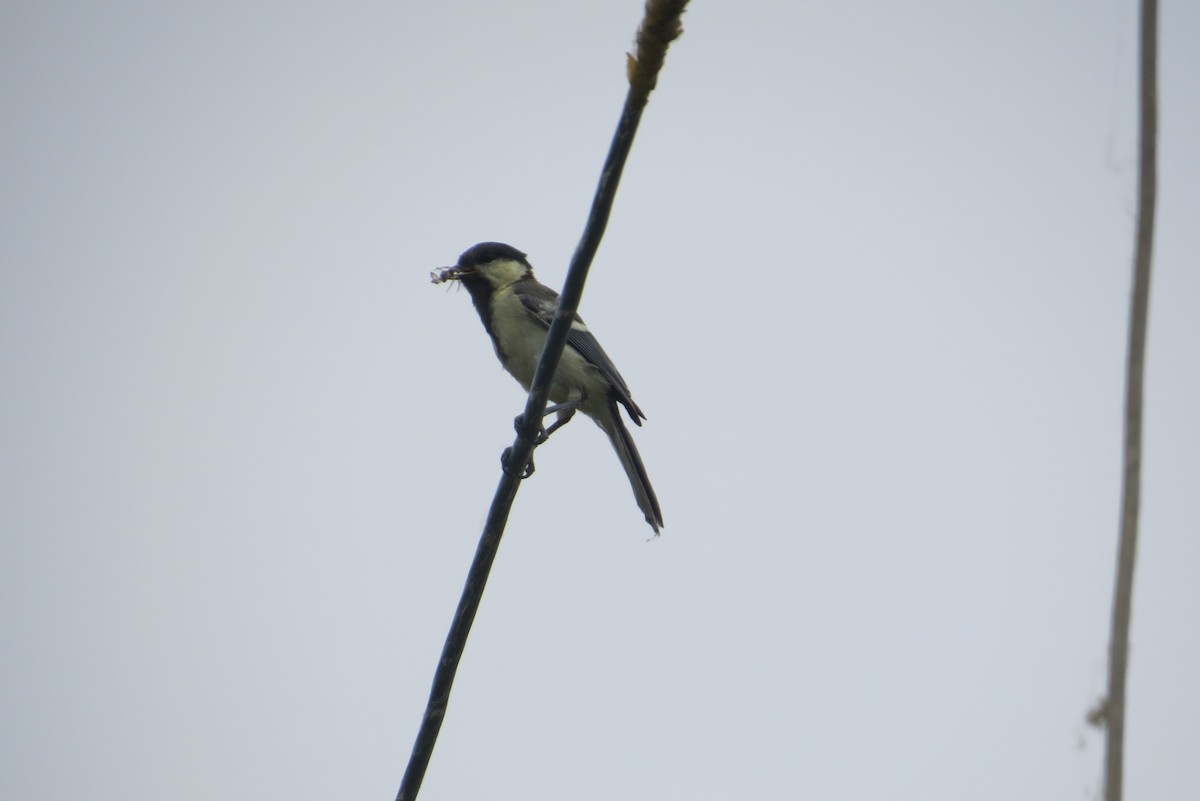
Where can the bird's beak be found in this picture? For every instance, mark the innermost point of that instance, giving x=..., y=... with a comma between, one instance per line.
x=449, y=274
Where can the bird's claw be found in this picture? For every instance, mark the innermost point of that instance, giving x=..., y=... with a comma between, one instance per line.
x=519, y=424
x=506, y=457
x=565, y=412
x=542, y=435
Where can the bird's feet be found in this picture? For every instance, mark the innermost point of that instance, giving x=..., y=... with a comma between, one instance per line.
x=541, y=436
x=565, y=412
x=506, y=457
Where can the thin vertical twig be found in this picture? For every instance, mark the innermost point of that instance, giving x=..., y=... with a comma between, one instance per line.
x=1115, y=704
x=660, y=26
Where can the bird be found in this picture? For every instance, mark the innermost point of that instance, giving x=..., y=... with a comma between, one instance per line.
x=516, y=310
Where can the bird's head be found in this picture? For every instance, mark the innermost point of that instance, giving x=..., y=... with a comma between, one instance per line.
x=490, y=264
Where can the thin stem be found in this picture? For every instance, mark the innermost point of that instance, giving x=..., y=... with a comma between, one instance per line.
x=1114, y=711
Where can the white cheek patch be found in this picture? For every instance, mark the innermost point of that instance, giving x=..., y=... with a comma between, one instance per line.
x=503, y=272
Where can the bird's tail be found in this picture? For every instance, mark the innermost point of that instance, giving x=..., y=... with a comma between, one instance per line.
x=631, y=460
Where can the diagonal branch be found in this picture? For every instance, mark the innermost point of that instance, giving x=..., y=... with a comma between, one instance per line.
x=659, y=27
x=1114, y=708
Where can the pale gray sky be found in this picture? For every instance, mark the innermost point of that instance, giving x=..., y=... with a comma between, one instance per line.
x=868, y=275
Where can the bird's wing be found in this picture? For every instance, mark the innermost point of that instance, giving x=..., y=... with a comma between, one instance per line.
x=542, y=302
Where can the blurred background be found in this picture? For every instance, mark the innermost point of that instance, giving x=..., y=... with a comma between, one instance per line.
x=868, y=275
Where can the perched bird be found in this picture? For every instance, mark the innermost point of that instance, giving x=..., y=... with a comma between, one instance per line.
x=517, y=311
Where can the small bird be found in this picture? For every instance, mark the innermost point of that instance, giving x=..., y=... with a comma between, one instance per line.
x=517, y=311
